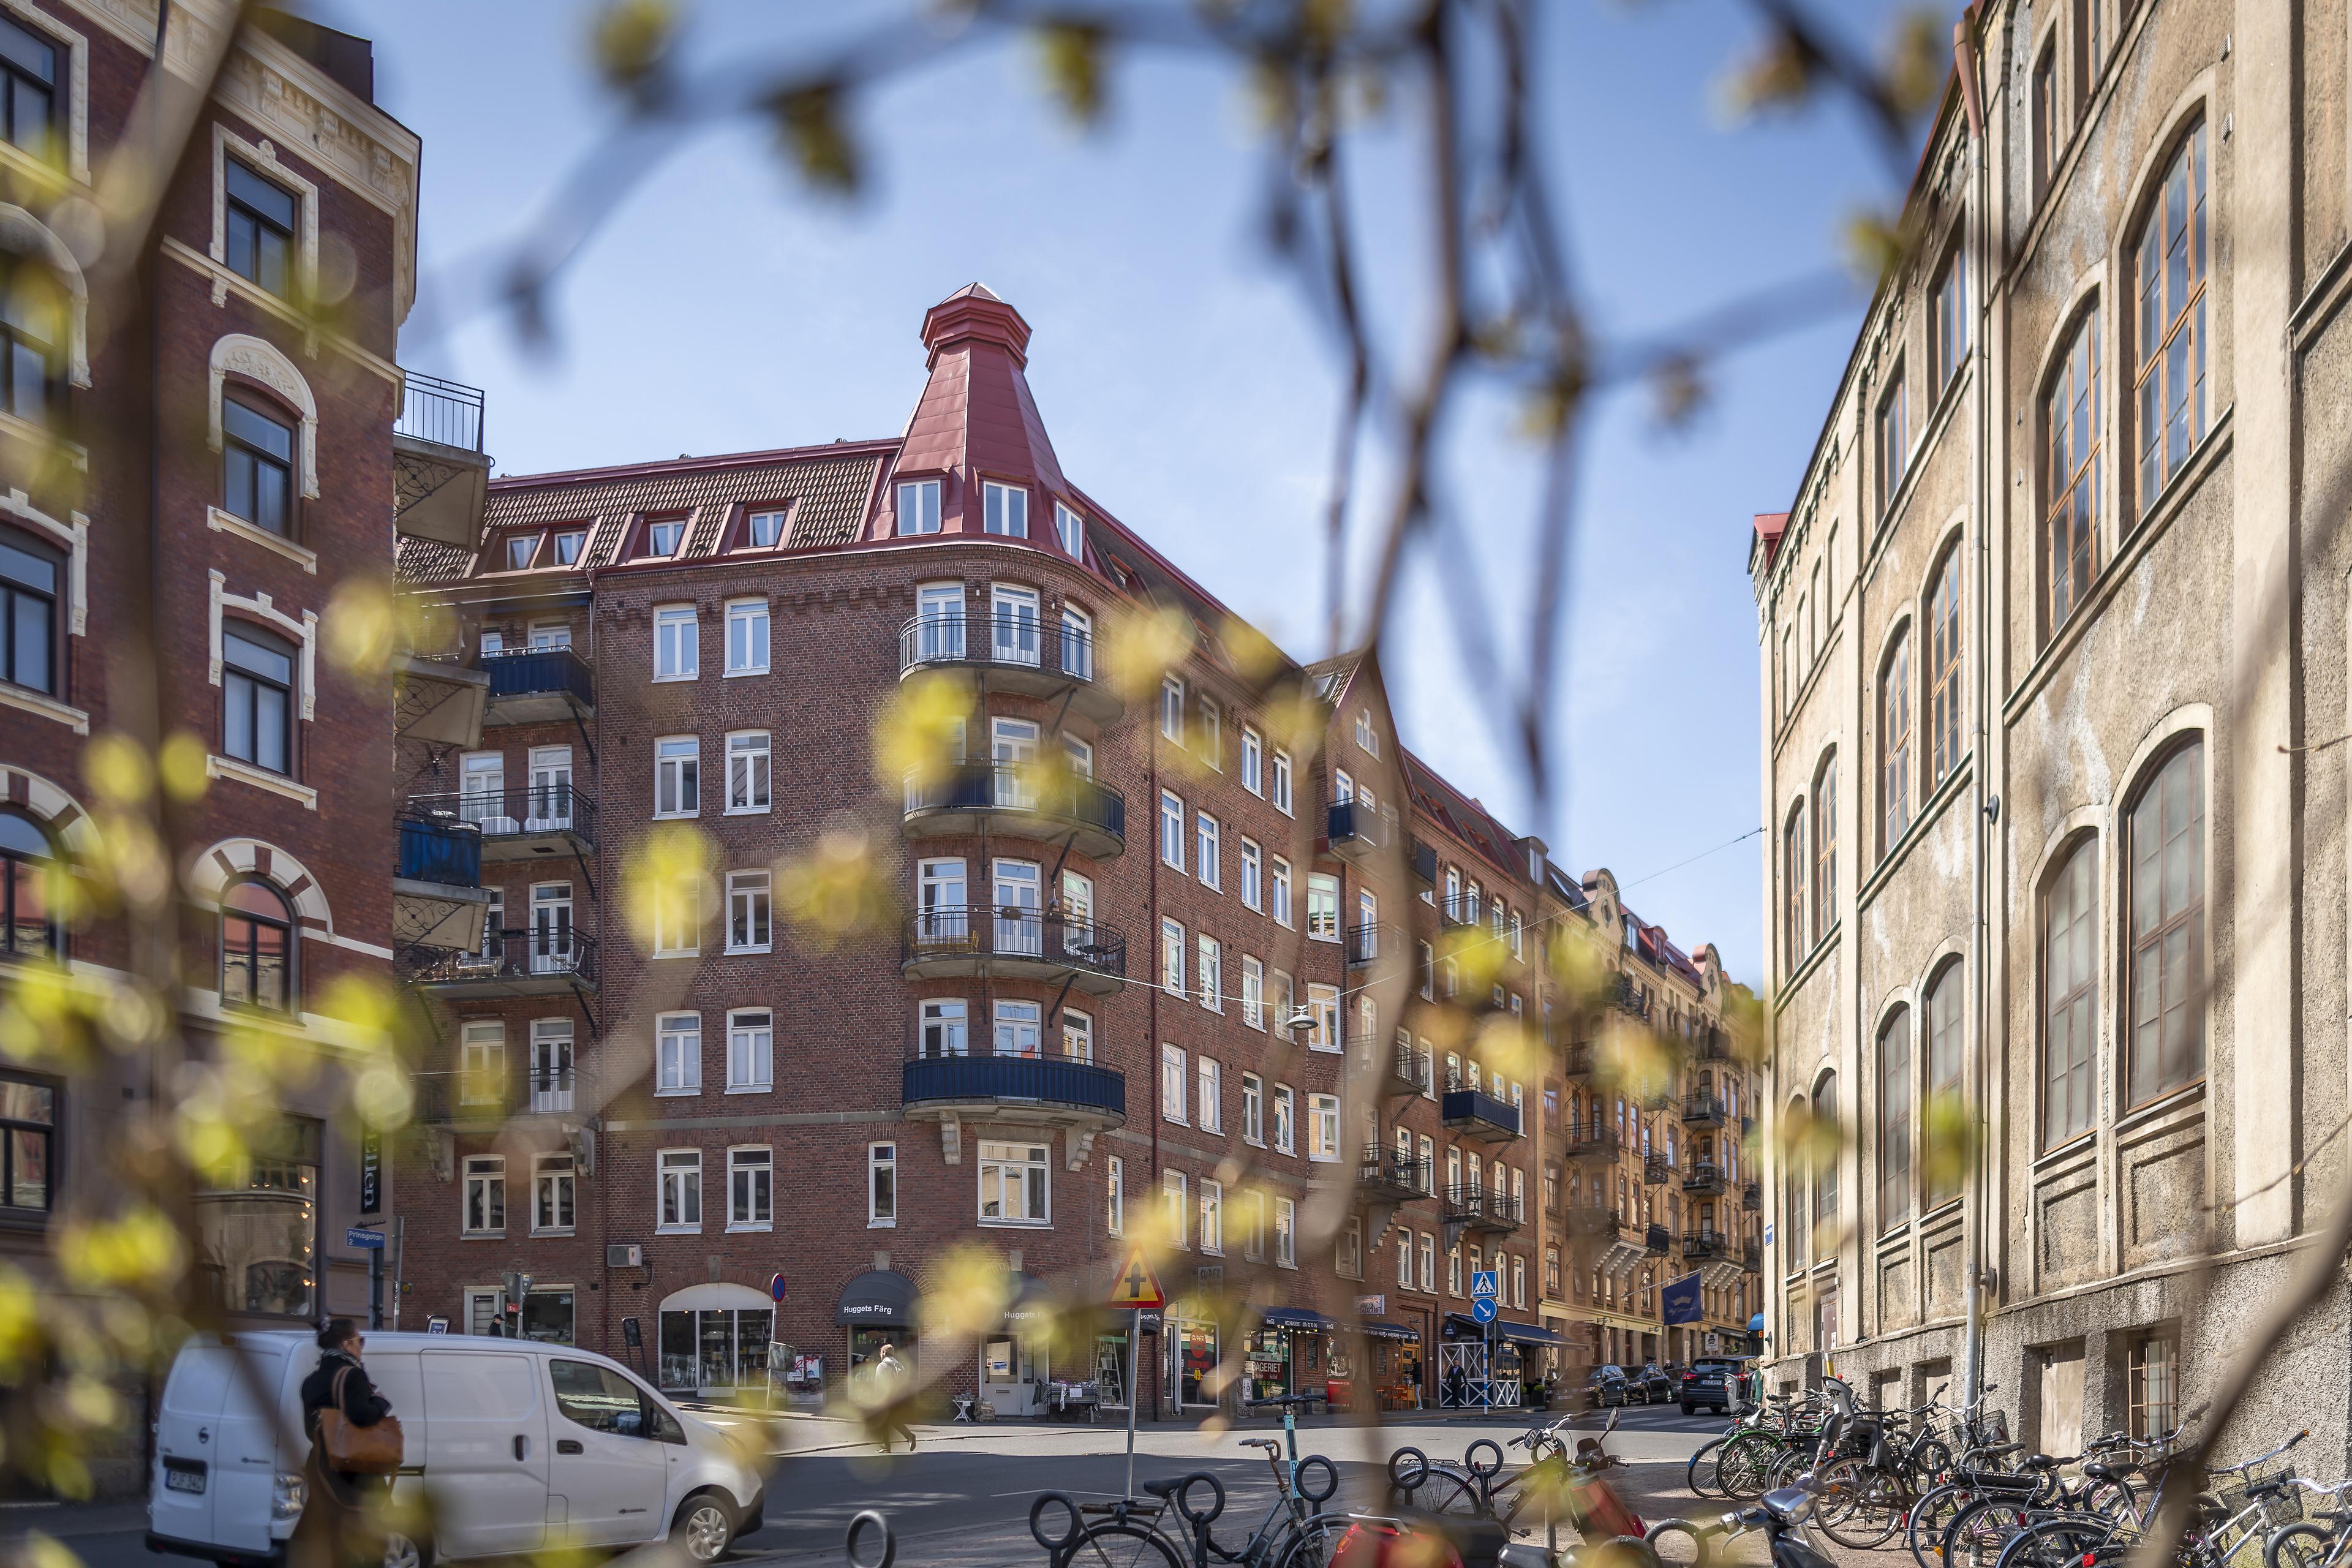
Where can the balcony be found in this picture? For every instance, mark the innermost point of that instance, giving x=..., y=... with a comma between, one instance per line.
x=440, y=699
x=1474, y=1113
x=1356, y=833
x=1015, y=943
x=538, y=686
x=1713, y=1045
x=1656, y=1169
x=436, y=888
x=1700, y=1245
x=1658, y=1098
x=1751, y=1256
x=1368, y=945
x=1656, y=1239
x=1015, y=652
x=440, y=475
x=1593, y=1220
x=1482, y=1209
x=1704, y=1178
x=1424, y=863
x=1035, y=1091
x=1752, y=1196
x=489, y=1099
x=1701, y=1109
x=1409, y=1070
x=510, y=963
x=1577, y=1062
x=967, y=800
x=1594, y=1140
x=542, y=821
x=1385, y=1174
x=1627, y=999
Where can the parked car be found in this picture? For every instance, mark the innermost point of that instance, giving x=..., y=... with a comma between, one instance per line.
x=1606, y=1387
x=1711, y=1381
x=1650, y=1385
x=497, y=1433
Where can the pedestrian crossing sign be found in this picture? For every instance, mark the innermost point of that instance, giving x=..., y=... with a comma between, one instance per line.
x=1135, y=1285
x=1486, y=1282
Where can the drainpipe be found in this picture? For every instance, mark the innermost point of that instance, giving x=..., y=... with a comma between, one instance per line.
x=1152, y=1052
x=1965, y=62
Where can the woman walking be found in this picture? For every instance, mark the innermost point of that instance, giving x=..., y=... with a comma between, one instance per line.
x=342, y=1521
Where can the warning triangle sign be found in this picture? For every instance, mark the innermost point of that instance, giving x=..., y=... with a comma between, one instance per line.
x=1135, y=1285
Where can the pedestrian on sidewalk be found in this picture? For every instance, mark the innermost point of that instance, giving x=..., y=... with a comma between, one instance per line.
x=890, y=1378
x=342, y=1521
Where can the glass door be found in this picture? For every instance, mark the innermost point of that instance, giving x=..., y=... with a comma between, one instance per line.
x=549, y=807
x=551, y=1065
x=1013, y=747
x=1017, y=925
x=481, y=788
x=551, y=929
x=938, y=627
x=1016, y=622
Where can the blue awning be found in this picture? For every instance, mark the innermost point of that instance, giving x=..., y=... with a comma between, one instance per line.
x=1302, y=1318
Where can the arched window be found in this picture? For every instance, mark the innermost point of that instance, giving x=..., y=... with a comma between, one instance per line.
x=1895, y=1118
x=2070, y=986
x=1794, y=874
x=1895, y=742
x=1944, y=669
x=2166, y=899
x=1825, y=848
x=256, y=946
x=1795, y=1229
x=257, y=462
x=2169, y=282
x=1943, y=1164
x=29, y=867
x=2070, y=444
x=33, y=330
x=1825, y=1153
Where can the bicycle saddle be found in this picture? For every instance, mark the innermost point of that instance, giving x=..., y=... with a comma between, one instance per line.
x=1164, y=1488
x=2094, y=1470
x=2041, y=1462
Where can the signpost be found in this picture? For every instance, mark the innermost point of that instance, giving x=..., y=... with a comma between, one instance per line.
x=1136, y=1289
x=1485, y=1287
x=776, y=1287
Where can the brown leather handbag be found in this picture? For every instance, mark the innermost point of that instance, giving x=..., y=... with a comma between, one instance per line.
x=363, y=1450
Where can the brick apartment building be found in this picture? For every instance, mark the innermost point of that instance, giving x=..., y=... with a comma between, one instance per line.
x=242, y=465
x=1052, y=1021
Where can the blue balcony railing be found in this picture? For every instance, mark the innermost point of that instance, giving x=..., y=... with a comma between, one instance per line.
x=1477, y=1109
x=1042, y=1080
x=438, y=852
x=540, y=671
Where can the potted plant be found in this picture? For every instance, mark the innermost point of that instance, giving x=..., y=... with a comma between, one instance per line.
x=1537, y=1392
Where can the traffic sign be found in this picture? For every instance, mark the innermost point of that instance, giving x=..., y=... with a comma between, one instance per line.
x=1486, y=1282
x=436, y=1325
x=355, y=1237
x=1135, y=1285
x=1482, y=1309
x=776, y=1287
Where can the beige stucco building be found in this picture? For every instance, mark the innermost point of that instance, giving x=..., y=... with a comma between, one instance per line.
x=2054, y=641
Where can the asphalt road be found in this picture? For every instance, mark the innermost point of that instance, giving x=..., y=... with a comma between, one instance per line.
x=961, y=1499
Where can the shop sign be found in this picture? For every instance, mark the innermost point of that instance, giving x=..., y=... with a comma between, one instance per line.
x=1371, y=1306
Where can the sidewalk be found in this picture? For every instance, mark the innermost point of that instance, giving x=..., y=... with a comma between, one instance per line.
x=66, y=1520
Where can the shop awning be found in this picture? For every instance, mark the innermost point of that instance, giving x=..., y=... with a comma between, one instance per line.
x=877, y=1299
x=1463, y=1326
x=1382, y=1329
x=1305, y=1318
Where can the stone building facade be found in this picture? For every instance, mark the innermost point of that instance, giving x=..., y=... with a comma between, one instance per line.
x=2051, y=666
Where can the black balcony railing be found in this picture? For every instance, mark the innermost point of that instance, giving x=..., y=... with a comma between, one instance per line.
x=1398, y=1175
x=1594, y=1140
x=540, y=672
x=1593, y=1219
x=443, y=412
x=1656, y=1169
x=446, y=853
x=514, y=958
x=1751, y=1256
x=1366, y=944
x=1701, y=1109
x=1014, y=932
x=1481, y=1208
x=1410, y=1066
x=1352, y=825
x=529, y=812
x=1703, y=1176
x=1424, y=863
x=1701, y=1245
x=1045, y=1081
x=1627, y=997
x=1752, y=1196
x=1014, y=788
x=495, y=1092
x=1577, y=1061
x=1713, y=1046
x=1479, y=1113
x=1657, y=1238
x=1008, y=640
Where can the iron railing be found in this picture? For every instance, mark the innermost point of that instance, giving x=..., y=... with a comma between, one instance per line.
x=1424, y=863
x=1656, y=1169
x=1001, y=638
x=1593, y=1219
x=1350, y=824
x=1703, y=1107
x=1752, y=1196
x=540, y=671
x=1015, y=786
x=447, y=412
x=552, y=954
x=1411, y=1065
x=1703, y=1176
x=1657, y=1238
x=1700, y=1244
x=1578, y=1062
x=1043, y=1080
x=1366, y=944
x=1015, y=932
x=1392, y=1172
x=529, y=809
x=507, y=1089
x=446, y=853
x=1595, y=1139
x=1481, y=1208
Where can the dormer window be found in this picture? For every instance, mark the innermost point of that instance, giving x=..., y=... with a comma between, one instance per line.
x=919, y=507
x=520, y=548
x=568, y=544
x=764, y=530
x=1072, y=530
x=663, y=536
x=1005, y=510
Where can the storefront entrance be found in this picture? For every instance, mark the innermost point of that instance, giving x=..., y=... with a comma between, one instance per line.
x=1192, y=1351
x=715, y=1341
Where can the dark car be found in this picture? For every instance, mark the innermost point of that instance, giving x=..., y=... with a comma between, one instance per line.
x=1650, y=1385
x=1711, y=1381
x=1606, y=1387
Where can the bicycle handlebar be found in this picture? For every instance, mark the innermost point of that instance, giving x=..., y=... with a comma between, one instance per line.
x=1285, y=1399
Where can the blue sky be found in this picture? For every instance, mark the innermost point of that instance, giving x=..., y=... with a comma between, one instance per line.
x=1181, y=373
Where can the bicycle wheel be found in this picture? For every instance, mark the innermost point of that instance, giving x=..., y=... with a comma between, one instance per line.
x=1741, y=1466
x=1704, y=1469
x=1453, y=1496
x=1923, y=1531
x=1859, y=1507
x=1115, y=1545
x=2300, y=1545
x=1979, y=1531
x=1315, y=1544
x=2058, y=1543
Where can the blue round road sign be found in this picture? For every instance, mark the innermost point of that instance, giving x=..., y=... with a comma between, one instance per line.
x=776, y=1287
x=1483, y=1309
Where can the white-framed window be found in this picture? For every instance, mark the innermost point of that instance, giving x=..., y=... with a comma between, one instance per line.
x=945, y=1021
x=1212, y=973
x=1209, y=1104
x=1077, y=643
x=482, y=1062
x=677, y=917
x=751, y=1188
x=1172, y=1196
x=1323, y=1003
x=1277, y=890
x=551, y=1065
x=1213, y=1216
x=1453, y=1270
x=747, y=772
x=1285, y=1103
x=1004, y=509
x=1172, y=957
x=1365, y=736
x=1253, y=992
x=1519, y=1281
x=677, y=776
x=486, y=1195
x=747, y=912
x=942, y=913
x=881, y=1185
x=1078, y=1035
x=1015, y=634
x=1347, y=1256
x=681, y=1190
x=919, y=506
x=1115, y=1196
x=1071, y=528
x=1343, y=786
x=1254, y=1110
x=1281, y=783
x=1171, y=708
x=1323, y=1128
x=1253, y=875
x=1450, y=974
x=554, y=1189
x=1518, y=936
x=1252, y=760
x=1322, y=907
x=1211, y=747
x=1366, y=944
x=763, y=529
x=1204, y=850
x=1285, y=1232
x=1019, y=1028
x=1171, y=830
x=1171, y=1084
x=746, y=637
x=677, y=1053
x=1015, y=1184
x=750, y=1050
x=676, y=643
x=1405, y=1260
x=665, y=537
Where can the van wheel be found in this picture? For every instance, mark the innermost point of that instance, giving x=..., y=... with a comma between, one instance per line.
x=704, y=1527
x=404, y=1551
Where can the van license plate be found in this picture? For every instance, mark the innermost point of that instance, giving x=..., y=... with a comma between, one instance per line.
x=184, y=1477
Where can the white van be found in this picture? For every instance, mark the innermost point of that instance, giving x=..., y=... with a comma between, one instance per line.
x=512, y=1445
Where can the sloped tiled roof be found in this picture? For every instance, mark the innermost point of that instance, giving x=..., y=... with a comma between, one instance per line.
x=416, y=560
x=1463, y=816
x=1329, y=677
